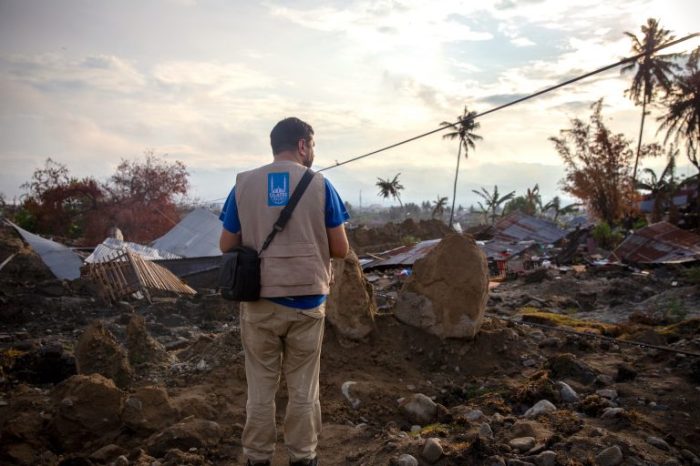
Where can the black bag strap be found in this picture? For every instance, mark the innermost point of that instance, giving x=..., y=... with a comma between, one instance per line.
x=286, y=213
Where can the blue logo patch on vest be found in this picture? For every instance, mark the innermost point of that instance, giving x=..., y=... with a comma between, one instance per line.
x=277, y=189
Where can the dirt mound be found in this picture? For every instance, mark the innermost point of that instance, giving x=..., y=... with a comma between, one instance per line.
x=391, y=235
x=142, y=347
x=99, y=352
x=86, y=408
x=350, y=308
x=448, y=290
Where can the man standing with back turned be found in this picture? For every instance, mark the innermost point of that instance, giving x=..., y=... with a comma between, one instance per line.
x=283, y=331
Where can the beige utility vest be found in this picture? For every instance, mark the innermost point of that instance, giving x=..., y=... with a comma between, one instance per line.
x=297, y=262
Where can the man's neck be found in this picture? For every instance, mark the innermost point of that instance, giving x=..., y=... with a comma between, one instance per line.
x=288, y=156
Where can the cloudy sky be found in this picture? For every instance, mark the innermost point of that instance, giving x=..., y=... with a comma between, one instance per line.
x=90, y=82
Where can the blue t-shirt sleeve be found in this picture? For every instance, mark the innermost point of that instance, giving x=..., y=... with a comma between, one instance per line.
x=229, y=214
x=336, y=213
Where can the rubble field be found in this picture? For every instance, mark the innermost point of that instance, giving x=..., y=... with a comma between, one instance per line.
x=85, y=383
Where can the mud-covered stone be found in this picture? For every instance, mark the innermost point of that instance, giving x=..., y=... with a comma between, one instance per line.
x=350, y=308
x=447, y=293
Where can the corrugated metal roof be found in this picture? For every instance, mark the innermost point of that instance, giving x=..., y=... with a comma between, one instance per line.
x=63, y=262
x=407, y=255
x=197, y=235
x=403, y=256
x=111, y=245
x=660, y=243
x=522, y=227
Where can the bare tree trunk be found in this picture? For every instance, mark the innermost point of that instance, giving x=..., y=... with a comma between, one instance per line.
x=454, y=188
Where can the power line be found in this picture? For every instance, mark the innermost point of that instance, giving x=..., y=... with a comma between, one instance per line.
x=516, y=101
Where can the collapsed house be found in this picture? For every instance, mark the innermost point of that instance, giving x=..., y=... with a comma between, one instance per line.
x=660, y=243
x=519, y=242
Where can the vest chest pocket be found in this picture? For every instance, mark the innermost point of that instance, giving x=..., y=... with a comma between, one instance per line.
x=293, y=264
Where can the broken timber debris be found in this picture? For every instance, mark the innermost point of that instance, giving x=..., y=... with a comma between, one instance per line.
x=124, y=273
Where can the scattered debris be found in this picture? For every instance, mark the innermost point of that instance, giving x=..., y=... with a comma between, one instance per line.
x=124, y=273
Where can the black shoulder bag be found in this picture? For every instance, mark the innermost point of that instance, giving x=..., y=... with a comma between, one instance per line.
x=239, y=275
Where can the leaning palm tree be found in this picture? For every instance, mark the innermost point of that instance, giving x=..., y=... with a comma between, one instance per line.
x=390, y=188
x=439, y=206
x=464, y=131
x=493, y=201
x=555, y=205
x=651, y=71
x=682, y=119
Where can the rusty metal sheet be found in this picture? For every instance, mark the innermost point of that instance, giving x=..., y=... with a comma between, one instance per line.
x=660, y=243
x=522, y=227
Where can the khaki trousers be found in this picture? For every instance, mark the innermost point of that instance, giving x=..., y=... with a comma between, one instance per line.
x=280, y=339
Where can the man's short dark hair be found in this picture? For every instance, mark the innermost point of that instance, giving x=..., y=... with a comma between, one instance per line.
x=287, y=133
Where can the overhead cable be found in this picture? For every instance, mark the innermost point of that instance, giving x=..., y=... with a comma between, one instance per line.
x=516, y=101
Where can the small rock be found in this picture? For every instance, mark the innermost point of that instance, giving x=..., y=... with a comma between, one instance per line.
x=658, y=443
x=418, y=408
x=522, y=443
x=107, y=453
x=609, y=393
x=603, y=380
x=474, y=415
x=625, y=373
x=546, y=458
x=516, y=462
x=541, y=407
x=406, y=460
x=609, y=413
x=568, y=394
x=121, y=461
x=485, y=431
x=551, y=342
x=432, y=451
x=688, y=455
x=416, y=429
x=529, y=362
x=495, y=461
x=611, y=456
x=671, y=462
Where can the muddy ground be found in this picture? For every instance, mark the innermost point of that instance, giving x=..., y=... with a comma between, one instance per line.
x=179, y=396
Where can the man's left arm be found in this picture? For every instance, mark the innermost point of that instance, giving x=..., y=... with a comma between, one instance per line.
x=231, y=232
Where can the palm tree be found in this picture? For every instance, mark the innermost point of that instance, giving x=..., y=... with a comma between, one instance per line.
x=390, y=188
x=661, y=187
x=555, y=205
x=652, y=71
x=464, y=131
x=439, y=206
x=492, y=201
x=533, y=199
x=682, y=118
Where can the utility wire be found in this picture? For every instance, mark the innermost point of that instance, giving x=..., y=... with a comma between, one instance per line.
x=517, y=101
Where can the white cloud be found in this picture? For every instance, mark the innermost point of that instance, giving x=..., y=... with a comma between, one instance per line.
x=57, y=71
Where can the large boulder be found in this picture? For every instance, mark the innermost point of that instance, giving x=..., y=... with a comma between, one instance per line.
x=86, y=408
x=447, y=293
x=350, y=308
x=98, y=352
